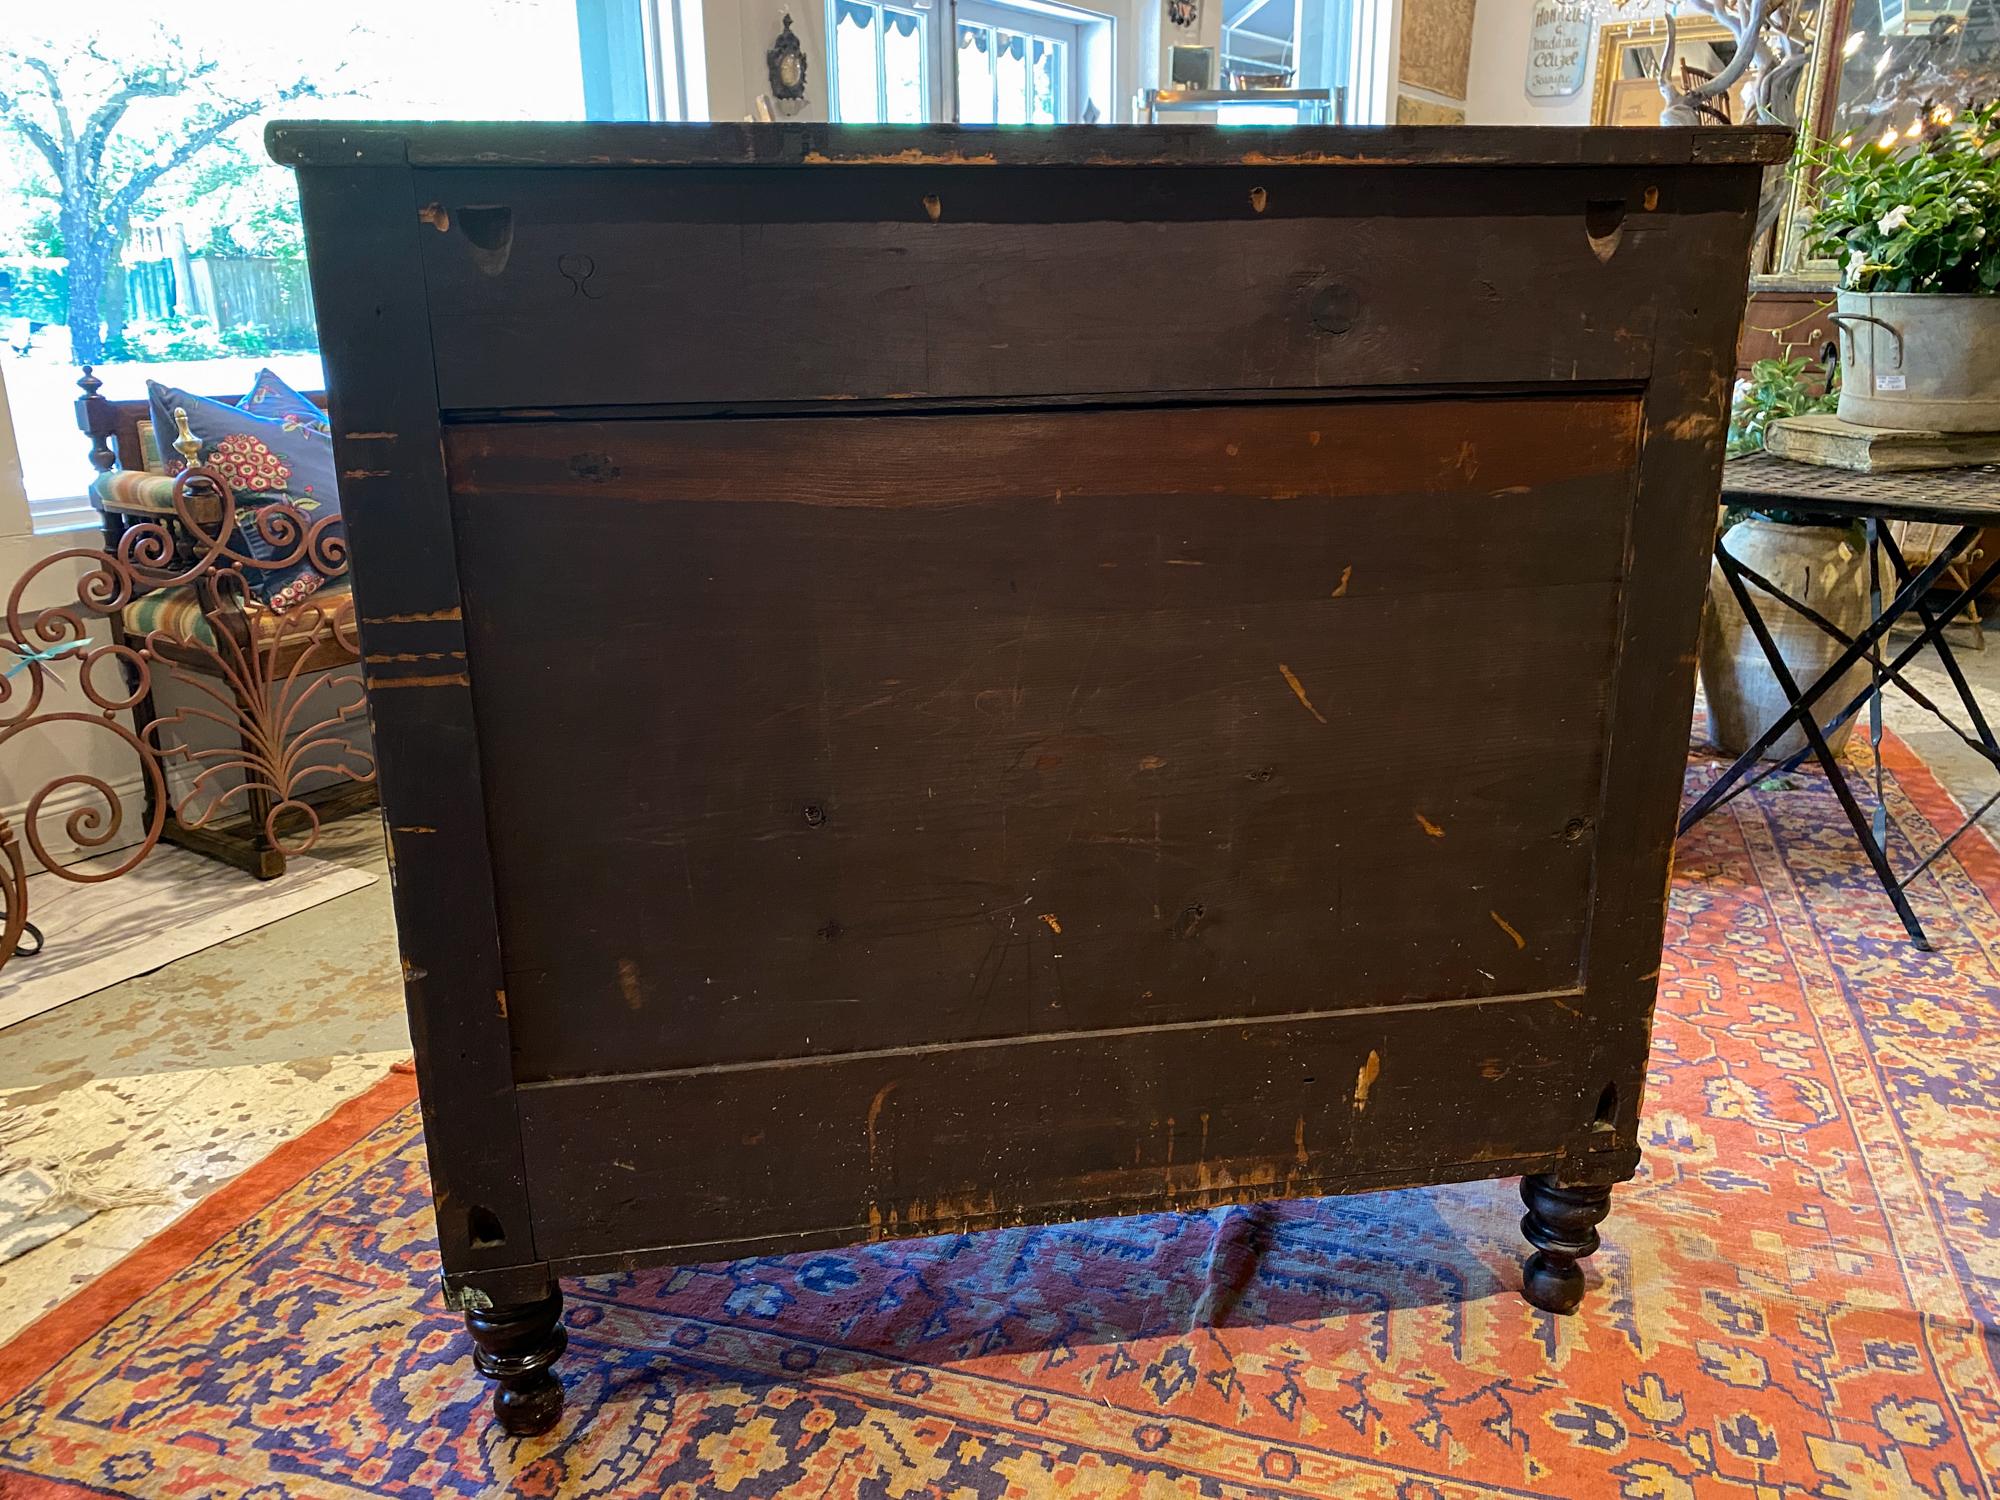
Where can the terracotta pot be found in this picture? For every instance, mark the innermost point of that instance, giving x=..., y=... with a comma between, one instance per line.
x=1927, y=362
x=1823, y=566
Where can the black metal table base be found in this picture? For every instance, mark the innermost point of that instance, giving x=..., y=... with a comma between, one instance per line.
x=1911, y=599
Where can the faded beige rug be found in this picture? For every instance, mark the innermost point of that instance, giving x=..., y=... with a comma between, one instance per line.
x=175, y=903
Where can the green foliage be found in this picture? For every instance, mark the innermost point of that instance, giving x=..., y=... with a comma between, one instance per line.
x=1918, y=215
x=1777, y=388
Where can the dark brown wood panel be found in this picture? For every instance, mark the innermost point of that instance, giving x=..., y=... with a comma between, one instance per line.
x=941, y=1140
x=1124, y=718
x=369, y=292
x=1050, y=282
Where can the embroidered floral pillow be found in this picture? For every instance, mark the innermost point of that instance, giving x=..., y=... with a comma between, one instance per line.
x=285, y=456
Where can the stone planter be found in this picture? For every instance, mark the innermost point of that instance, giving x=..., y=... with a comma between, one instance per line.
x=1823, y=566
x=1920, y=361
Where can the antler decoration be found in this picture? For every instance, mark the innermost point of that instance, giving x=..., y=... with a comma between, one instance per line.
x=1770, y=37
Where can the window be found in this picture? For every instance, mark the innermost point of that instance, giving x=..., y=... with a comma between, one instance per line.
x=1338, y=45
x=881, y=55
x=176, y=254
x=982, y=62
x=1015, y=67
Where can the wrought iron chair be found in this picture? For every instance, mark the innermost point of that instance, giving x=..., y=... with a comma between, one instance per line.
x=272, y=682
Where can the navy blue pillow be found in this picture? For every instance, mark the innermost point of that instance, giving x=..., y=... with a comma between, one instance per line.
x=287, y=456
x=269, y=396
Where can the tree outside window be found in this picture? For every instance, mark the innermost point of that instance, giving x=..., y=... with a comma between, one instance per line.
x=144, y=231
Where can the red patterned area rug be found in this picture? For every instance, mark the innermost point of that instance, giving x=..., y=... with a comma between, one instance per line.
x=1797, y=1298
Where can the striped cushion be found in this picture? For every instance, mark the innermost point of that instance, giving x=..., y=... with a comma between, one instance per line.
x=128, y=489
x=177, y=612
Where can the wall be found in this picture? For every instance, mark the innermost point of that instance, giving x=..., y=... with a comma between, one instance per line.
x=1497, y=83
x=1434, y=59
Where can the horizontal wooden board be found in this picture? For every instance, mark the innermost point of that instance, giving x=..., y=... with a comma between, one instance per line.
x=1057, y=281
x=347, y=143
x=809, y=736
x=702, y=1164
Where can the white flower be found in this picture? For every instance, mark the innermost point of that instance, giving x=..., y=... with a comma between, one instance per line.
x=1894, y=219
x=1856, y=259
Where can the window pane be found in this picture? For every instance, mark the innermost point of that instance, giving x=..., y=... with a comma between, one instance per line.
x=975, y=75
x=1044, y=75
x=209, y=284
x=904, y=41
x=854, y=37
x=1010, y=68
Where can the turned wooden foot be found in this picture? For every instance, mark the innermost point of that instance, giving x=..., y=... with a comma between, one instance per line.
x=1561, y=1223
x=515, y=1346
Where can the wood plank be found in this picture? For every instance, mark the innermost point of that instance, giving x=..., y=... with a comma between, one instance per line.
x=1087, y=730
x=1336, y=281
x=347, y=143
x=369, y=290
x=941, y=1141
x=1668, y=547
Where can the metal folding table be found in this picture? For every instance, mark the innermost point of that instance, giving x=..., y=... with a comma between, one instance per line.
x=1967, y=499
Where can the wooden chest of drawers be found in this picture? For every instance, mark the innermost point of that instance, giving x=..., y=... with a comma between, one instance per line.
x=942, y=679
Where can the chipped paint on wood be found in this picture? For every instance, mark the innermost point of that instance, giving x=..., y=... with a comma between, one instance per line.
x=1054, y=925
x=1151, y=762
x=1258, y=200
x=1364, y=1079
x=425, y=617
x=628, y=984
x=500, y=999
x=1508, y=927
x=1299, y=691
x=1429, y=827
x=875, y=1114
x=1346, y=576
x=454, y=679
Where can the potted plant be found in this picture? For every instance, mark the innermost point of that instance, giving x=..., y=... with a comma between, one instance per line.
x=1914, y=219
x=1817, y=564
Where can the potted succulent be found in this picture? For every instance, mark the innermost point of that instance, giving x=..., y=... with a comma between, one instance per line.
x=1913, y=218
x=1820, y=565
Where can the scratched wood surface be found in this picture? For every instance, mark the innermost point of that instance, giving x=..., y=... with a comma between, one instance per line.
x=1379, y=278
x=916, y=696
x=1116, y=718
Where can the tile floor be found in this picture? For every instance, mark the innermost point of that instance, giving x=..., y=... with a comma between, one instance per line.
x=150, y=1094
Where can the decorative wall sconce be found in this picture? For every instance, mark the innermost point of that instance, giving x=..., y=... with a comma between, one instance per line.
x=787, y=63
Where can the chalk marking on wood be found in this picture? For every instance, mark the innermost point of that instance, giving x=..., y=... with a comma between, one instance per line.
x=1299, y=691
x=1364, y=1079
x=1508, y=928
